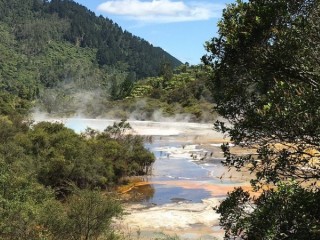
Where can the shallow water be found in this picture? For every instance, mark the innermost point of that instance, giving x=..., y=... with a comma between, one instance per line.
x=187, y=178
x=184, y=156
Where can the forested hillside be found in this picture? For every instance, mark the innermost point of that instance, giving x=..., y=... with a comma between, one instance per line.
x=183, y=95
x=38, y=22
x=53, y=51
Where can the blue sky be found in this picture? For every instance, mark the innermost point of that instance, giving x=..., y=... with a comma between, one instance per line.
x=179, y=27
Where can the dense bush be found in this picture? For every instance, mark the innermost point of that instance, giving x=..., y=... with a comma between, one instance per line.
x=51, y=178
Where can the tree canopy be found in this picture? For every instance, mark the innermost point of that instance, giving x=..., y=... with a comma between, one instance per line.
x=265, y=80
x=37, y=22
x=56, y=184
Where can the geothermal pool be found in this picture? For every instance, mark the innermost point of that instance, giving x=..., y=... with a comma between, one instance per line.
x=186, y=182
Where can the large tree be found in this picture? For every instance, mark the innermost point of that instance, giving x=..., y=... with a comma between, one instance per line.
x=266, y=64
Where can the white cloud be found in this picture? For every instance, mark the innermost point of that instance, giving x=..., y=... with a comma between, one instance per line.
x=162, y=11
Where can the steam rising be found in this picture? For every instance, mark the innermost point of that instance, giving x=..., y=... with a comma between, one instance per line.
x=93, y=104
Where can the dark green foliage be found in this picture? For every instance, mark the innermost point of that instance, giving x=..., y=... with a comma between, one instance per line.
x=30, y=211
x=166, y=72
x=290, y=212
x=47, y=161
x=233, y=212
x=183, y=91
x=88, y=216
x=266, y=84
x=39, y=22
x=94, y=160
x=281, y=95
x=22, y=200
x=122, y=89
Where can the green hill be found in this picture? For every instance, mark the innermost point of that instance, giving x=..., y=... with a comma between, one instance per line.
x=38, y=22
x=59, y=56
x=61, y=47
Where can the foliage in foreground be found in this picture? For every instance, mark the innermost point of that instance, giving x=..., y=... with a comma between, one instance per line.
x=51, y=178
x=289, y=212
x=266, y=83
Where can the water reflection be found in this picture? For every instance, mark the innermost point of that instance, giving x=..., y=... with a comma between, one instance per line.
x=142, y=193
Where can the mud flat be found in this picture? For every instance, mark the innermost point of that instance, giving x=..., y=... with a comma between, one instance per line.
x=187, y=182
x=187, y=220
x=182, y=217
